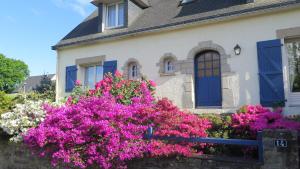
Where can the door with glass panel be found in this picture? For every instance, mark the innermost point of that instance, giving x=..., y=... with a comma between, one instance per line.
x=208, y=79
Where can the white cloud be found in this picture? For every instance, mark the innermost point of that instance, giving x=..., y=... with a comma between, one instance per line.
x=78, y=6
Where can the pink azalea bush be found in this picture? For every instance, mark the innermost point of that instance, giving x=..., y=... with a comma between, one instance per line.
x=250, y=119
x=168, y=120
x=101, y=129
x=123, y=90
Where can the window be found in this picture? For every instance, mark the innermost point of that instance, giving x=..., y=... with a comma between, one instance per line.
x=293, y=49
x=93, y=74
x=169, y=65
x=133, y=71
x=115, y=15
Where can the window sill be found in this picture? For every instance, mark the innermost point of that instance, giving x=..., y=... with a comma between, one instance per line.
x=209, y=107
x=167, y=74
x=116, y=27
x=294, y=99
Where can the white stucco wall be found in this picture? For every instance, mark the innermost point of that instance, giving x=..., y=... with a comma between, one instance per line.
x=149, y=49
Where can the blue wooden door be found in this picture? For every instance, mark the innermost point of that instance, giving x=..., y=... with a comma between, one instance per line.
x=208, y=79
x=270, y=73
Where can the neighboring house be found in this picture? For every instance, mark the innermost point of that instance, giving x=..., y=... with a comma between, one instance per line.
x=205, y=55
x=32, y=81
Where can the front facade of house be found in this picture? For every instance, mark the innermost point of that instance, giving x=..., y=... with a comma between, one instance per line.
x=204, y=57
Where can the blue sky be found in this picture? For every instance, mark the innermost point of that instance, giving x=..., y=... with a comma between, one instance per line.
x=28, y=29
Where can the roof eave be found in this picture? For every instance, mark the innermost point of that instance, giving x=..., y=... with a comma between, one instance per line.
x=179, y=25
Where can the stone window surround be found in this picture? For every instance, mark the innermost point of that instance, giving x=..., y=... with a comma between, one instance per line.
x=90, y=60
x=187, y=68
x=161, y=64
x=125, y=68
x=82, y=63
x=288, y=33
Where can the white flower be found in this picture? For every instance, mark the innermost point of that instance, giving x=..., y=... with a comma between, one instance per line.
x=22, y=118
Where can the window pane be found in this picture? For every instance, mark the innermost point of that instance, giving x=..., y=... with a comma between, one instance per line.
x=169, y=66
x=201, y=65
x=216, y=64
x=208, y=73
x=216, y=72
x=90, y=77
x=200, y=73
x=208, y=56
x=121, y=14
x=294, y=65
x=201, y=59
x=208, y=65
x=111, y=16
x=134, y=71
x=99, y=73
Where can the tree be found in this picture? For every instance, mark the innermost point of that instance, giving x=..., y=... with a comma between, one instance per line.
x=45, y=85
x=12, y=73
x=46, y=88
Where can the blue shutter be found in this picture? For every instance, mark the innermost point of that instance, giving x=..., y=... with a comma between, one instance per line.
x=110, y=67
x=71, y=77
x=270, y=72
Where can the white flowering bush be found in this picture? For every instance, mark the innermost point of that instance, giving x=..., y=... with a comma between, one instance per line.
x=22, y=118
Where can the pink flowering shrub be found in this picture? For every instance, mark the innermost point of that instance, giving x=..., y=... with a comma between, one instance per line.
x=250, y=119
x=168, y=120
x=103, y=130
x=122, y=89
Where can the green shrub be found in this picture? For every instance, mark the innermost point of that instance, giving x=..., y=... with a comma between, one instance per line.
x=220, y=125
x=6, y=102
x=221, y=128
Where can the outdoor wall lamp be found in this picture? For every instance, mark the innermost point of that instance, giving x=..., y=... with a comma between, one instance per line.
x=237, y=50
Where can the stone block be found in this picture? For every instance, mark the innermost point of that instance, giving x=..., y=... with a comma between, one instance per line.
x=228, y=99
x=280, y=157
x=187, y=101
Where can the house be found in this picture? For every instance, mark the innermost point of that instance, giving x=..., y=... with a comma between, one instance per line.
x=205, y=55
x=31, y=82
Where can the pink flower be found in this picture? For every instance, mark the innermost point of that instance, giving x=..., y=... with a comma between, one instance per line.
x=78, y=83
x=92, y=92
x=69, y=100
x=152, y=83
x=120, y=96
x=118, y=74
x=119, y=85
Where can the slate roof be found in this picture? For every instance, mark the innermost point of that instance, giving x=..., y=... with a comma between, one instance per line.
x=31, y=83
x=168, y=14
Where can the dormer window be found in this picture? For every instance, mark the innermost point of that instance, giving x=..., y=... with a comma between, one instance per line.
x=115, y=15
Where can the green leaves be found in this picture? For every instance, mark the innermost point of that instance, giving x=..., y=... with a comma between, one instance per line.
x=12, y=73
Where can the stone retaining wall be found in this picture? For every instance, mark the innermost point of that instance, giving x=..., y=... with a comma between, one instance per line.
x=16, y=156
x=193, y=163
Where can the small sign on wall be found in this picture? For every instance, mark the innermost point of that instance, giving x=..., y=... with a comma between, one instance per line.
x=281, y=143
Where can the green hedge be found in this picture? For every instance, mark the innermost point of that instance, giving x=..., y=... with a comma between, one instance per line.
x=6, y=102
